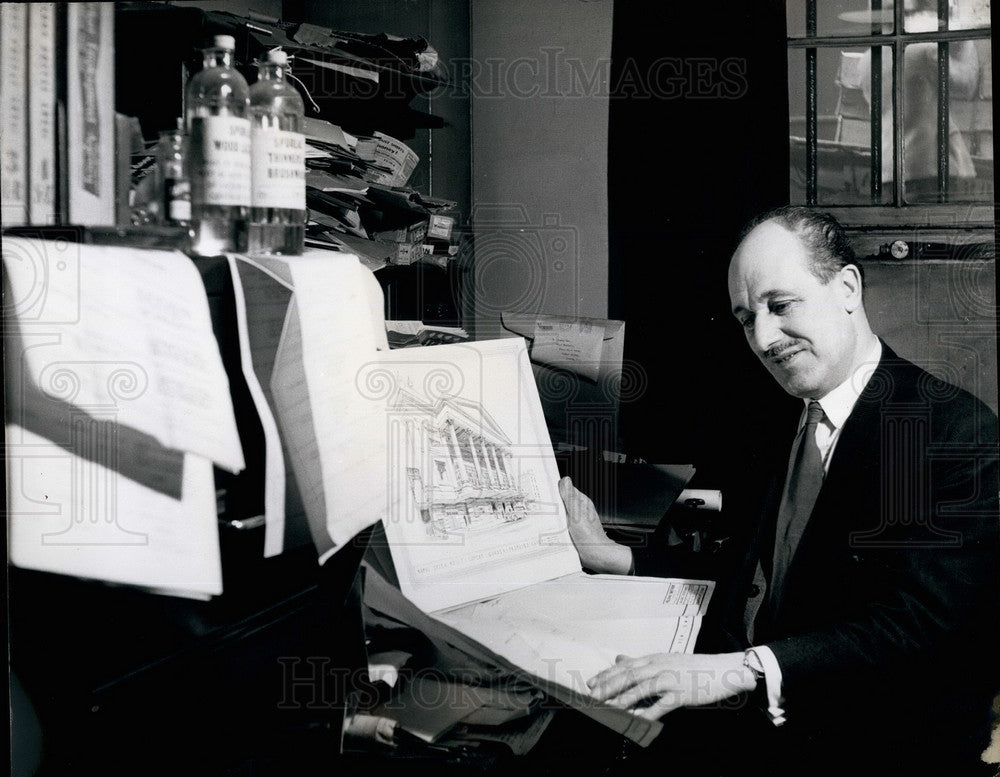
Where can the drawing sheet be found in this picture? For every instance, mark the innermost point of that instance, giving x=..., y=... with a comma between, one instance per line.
x=477, y=531
x=465, y=472
x=466, y=654
x=567, y=630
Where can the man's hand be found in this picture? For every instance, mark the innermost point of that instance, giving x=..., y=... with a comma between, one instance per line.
x=662, y=682
x=598, y=552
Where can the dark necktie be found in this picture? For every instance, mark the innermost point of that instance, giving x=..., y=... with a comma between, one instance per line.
x=805, y=478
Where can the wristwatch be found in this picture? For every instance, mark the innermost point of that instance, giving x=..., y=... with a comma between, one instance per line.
x=752, y=662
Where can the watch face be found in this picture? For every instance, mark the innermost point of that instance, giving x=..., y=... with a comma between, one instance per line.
x=899, y=249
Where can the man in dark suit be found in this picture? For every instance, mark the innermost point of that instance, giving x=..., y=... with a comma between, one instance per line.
x=862, y=617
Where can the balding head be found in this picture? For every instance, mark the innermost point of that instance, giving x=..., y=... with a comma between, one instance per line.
x=821, y=234
x=802, y=315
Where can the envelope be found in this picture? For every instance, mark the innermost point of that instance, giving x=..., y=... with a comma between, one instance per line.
x=577, y=363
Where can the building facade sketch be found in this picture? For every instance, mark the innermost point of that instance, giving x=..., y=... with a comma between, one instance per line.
x=455, y=467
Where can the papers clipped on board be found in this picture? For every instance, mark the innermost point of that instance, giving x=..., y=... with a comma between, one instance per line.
x=105, y=326
x=74, y=515
x=118, y=405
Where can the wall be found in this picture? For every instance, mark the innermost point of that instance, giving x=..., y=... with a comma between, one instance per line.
x=539, y=158
x=698, y=142
x=443, y=170
x=271, y=8
x=941, y=315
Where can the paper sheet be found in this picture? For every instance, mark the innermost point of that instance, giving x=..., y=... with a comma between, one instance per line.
x=260, y=311
x=127, y=330
x=76, y=516
x=398, y=158
x=568, y=630
x=459, y=651
x=572, y=345
x=356, y=72
x=335, y=182
x=579, y=410
x=334, y=325
x=326, y=132
x=464, y=471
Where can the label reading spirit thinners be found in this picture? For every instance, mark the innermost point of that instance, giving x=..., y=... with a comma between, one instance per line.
x=279, y=168
x=220, y=148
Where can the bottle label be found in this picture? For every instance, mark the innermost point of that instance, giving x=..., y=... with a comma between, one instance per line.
x=220, y=159
x=279, y=169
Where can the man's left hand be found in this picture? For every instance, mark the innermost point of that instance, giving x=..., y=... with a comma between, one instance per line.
x=661, y=682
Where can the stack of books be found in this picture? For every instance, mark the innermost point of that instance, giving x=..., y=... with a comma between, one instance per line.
x=60, y=133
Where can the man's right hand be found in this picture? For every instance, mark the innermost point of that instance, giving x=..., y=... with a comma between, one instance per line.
x=598, y=552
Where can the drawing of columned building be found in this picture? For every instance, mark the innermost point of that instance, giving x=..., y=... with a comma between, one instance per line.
x=458, y=465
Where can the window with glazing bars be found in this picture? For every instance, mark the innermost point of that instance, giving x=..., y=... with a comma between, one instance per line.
x=890, y=103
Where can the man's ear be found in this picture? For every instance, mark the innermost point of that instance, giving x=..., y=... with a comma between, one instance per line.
x=849, y=278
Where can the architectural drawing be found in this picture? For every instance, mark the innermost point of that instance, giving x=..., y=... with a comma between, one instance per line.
x=459, y=466
x=469, y=478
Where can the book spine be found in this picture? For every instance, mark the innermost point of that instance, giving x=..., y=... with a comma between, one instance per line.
x=13, y=114
x=42, y=113
x=90, y=113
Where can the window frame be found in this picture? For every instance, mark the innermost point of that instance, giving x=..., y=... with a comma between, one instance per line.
x=897, y=214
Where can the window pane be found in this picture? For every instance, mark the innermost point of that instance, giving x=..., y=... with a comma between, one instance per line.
x=969, y=15
x=797, y=125
x=843, y=125
x=970, y=123
x=840, y=17
x=922, y=15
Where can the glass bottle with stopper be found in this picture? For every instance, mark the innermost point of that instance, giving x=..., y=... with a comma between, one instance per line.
x=216, y=100
x=278, y=189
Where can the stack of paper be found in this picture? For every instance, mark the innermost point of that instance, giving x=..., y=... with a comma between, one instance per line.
x=358, y=199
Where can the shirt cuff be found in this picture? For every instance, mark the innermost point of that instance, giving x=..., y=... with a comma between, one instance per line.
x=772, y=682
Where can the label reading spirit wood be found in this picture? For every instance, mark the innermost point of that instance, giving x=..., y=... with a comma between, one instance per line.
x=220, y=156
